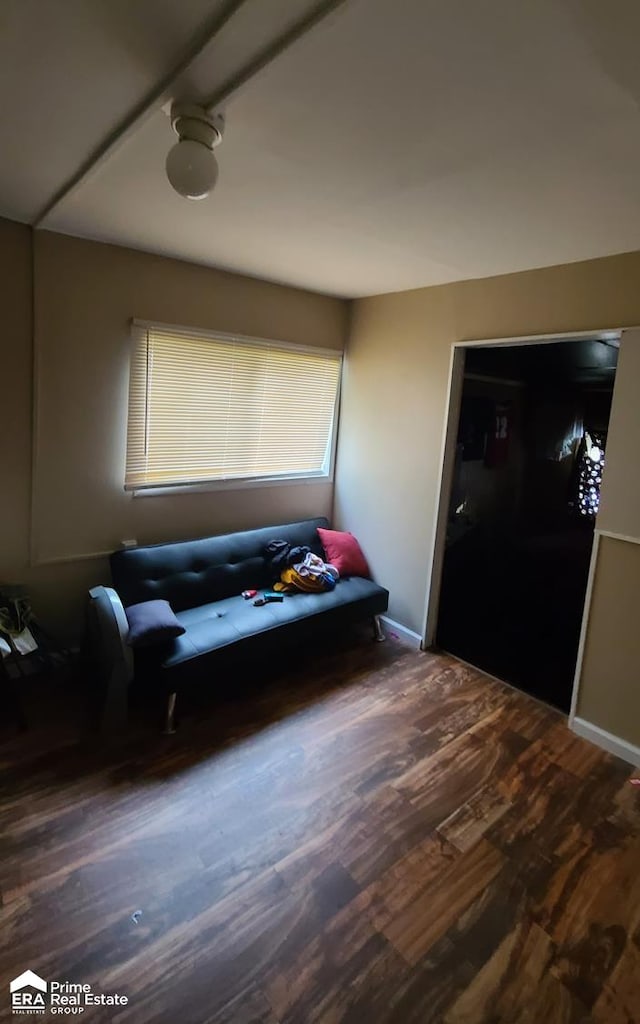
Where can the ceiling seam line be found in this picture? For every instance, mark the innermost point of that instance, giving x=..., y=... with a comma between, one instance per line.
x=275, y=49
x=264, y=58
x=193, y=49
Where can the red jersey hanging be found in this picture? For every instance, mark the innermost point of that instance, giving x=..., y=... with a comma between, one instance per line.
x=497, y=450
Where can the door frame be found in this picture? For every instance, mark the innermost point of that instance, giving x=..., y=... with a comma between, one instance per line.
x=447, y=464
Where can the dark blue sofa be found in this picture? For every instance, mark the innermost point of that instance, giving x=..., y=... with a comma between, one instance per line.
x=203, y=581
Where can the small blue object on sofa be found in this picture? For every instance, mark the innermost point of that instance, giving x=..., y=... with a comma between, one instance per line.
x=203, y=582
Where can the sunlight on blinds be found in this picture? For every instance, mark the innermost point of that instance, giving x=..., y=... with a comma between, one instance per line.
x=206, y=407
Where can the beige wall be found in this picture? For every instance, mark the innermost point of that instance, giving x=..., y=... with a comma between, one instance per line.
x=609, y=695
x=15, y=402
x=395, y=397
x=620, y=501
x=85, y=294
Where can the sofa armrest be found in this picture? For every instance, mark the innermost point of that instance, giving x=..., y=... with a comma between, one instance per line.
x=110, y=654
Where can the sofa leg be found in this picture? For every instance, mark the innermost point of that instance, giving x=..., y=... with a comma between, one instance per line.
x=170, y=719
x=378, y=632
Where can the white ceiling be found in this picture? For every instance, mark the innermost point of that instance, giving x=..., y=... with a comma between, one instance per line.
x=69, y=70
x=400, y=143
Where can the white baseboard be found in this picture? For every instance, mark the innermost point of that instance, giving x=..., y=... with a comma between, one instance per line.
x=612, y=744
x=414, y=639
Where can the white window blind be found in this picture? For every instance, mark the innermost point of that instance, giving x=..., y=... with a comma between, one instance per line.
x=206, y=407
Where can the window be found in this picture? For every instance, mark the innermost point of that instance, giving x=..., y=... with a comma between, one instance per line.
x=206, y=407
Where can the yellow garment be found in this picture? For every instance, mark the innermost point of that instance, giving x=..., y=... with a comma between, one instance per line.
x=290, y=579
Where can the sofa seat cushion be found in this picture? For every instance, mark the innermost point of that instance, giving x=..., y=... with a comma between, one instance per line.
x=221, y=624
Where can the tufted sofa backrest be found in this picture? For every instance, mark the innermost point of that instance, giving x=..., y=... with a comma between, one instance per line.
x=194, y=572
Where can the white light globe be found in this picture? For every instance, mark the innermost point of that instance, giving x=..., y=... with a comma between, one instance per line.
x=192, y=169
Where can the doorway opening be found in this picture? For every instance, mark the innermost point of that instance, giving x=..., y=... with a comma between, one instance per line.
x=525, y=471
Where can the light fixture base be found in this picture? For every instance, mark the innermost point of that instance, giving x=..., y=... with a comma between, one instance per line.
x=189, y=121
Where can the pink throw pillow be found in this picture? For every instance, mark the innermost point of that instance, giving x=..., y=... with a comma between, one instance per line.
x=343, y=551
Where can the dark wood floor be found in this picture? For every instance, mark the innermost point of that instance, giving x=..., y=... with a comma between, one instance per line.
x=382, y=836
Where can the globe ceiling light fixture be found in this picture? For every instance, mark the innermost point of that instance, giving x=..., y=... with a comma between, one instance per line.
x=191, y=167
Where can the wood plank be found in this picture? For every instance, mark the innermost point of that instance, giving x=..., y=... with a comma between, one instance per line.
x=470, y=822
x=418, y=927
x=514, y=985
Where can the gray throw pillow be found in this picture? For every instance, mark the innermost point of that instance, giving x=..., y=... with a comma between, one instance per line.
x=152, y=622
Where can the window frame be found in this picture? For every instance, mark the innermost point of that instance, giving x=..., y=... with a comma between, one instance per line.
x=239, y=482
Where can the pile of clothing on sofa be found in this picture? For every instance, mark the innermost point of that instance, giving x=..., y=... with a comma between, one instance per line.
x=297, y=568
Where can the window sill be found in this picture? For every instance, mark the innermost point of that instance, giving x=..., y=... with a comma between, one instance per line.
x=229, y=485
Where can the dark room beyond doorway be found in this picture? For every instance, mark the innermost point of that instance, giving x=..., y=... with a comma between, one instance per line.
x=531, y=445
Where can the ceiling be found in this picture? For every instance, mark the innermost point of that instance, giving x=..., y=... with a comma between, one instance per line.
x=581, y=363
x=398, y=143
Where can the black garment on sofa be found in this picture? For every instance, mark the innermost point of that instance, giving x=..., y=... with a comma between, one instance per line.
x=282, y=555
